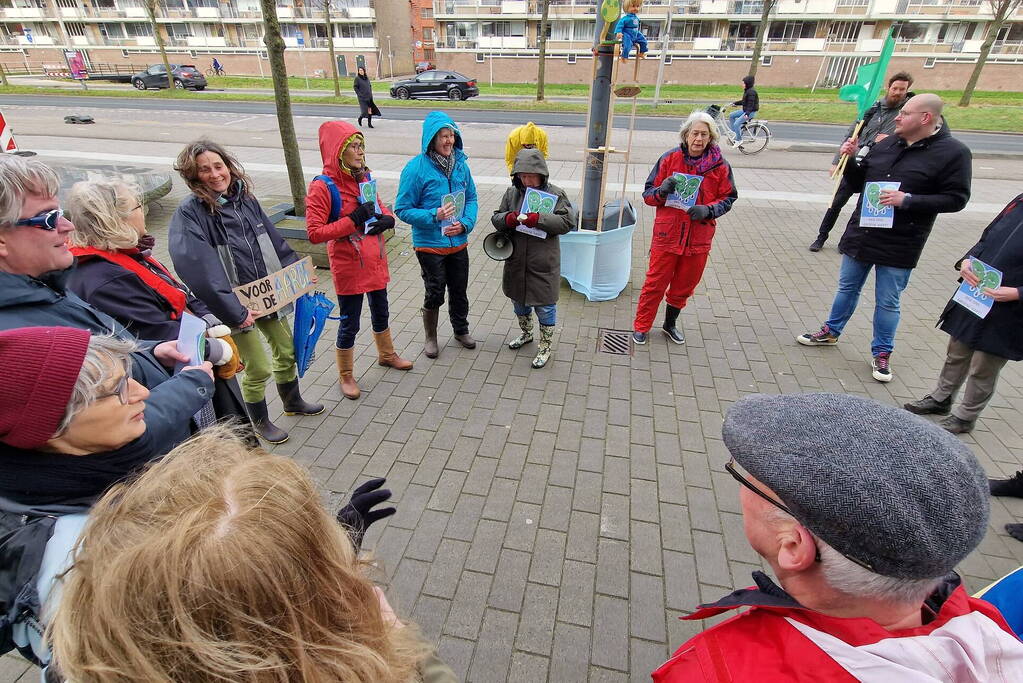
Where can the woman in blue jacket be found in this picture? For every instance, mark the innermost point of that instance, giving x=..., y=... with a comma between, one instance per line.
x=437, y=197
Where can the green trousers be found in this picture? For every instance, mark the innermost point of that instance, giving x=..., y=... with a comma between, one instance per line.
x=258, y=368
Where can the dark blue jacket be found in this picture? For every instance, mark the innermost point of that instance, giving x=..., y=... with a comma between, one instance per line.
x=123, y=295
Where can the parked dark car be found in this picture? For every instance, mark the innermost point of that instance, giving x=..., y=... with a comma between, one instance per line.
x=424, y=66
x=434, y=84
x=185, y=76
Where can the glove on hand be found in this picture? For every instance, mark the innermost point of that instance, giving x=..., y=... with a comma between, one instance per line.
x=358, y=514
x=511, y=219
x=667, y=186
x=531, y=219
x=383, y=222
x=362, y=212
x=699, y=212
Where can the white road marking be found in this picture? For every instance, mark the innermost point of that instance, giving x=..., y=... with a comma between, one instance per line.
x=247, y=118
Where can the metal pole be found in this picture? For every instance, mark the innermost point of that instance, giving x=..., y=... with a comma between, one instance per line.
x=390, y=59
x=596, y=129
x=664, y=51
x=304, y=67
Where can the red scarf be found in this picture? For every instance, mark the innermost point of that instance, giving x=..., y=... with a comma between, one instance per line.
x=174, y=297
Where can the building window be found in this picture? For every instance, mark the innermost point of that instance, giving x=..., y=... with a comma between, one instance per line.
x=75, y=29
x=766, y=60
x=479, y=57
x=929, y=63
x=906, y=32
x=690, y=30
x=427, y=34
x=429, y=54
x=844, y=31
x=140, y=30
x=426, y=13
x=571, y=59
x=791, y=31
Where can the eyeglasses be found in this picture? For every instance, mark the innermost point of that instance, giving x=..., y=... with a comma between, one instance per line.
x=47, y=220
x=120, y=390
x=358, y=147
x=733, y=470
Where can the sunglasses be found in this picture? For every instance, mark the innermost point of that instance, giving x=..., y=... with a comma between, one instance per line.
x=47, y=220
x=731, y=468
x=120, y=390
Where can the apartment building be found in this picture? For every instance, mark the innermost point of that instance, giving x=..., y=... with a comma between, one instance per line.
x=34, y=32
x=700, y=41
x=710, y=41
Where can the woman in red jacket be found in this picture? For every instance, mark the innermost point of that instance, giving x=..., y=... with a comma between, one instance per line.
x=337, y=213
x=681, y=241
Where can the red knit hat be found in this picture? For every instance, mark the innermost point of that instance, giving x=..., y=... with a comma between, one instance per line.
x=40, y=367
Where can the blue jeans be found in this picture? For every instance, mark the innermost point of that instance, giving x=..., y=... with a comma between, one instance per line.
x=888, y=285
x=547, y=315
x=351, y=311
x=736, y=119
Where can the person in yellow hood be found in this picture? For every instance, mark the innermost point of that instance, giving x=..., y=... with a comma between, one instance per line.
x=529, y=136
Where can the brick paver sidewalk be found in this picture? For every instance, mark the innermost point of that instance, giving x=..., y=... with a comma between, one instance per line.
x=554, y=524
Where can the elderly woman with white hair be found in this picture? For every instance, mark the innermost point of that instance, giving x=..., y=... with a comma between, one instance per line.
x=691, y=186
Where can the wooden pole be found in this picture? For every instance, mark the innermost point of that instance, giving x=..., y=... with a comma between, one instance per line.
x=840, y=167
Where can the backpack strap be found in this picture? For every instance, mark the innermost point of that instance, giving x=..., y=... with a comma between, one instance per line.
x=335, y=197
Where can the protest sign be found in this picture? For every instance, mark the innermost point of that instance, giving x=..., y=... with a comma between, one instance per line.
x=687, y=189
x=277, y=290
x=368, y=193
x=458, y=199
x=972, y=298
x=873, y=214
x=536, y=201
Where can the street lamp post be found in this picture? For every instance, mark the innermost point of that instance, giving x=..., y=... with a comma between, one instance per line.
x=390, y=58
x=665, y=45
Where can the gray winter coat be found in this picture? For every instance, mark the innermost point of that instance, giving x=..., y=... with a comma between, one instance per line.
x=214, y=252
x=532, y=276
x=363, y=88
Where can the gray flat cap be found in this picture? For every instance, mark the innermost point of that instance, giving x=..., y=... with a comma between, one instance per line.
x=875, y=482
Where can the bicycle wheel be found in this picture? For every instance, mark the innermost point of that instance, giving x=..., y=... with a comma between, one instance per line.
x=209, y=72
x=755, y=138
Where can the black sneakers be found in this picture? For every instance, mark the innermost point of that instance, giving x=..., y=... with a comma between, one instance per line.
x=1012, y=487
x=639, y=337
x=817, y=244
x=929, y=405
x=674, y=334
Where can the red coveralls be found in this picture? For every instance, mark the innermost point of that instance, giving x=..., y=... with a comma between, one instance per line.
x=679, y=246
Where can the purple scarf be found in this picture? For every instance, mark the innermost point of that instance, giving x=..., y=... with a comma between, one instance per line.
x=700, y=165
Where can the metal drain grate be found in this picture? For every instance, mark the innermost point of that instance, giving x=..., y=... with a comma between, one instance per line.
x=617, y=342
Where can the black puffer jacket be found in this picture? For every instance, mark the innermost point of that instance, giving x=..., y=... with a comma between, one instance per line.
x=936, y=170
x=1001, y=246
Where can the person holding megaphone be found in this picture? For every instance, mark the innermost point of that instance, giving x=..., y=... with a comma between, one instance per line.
x=531, y=216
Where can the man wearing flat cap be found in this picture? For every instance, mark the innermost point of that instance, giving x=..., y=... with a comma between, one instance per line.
x=862, y=511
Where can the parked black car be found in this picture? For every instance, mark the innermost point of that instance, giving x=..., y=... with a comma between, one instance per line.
x=424, y=66
x=185, y=76
x=434, y=84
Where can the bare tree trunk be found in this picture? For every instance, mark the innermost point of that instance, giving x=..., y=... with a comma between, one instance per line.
x=1001, y=9
x=540, y=69
x=330, y=47
x=151, y=11
x=758, y=45
x=282, y=97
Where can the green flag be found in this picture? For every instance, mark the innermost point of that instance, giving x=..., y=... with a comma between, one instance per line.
x=869, y=79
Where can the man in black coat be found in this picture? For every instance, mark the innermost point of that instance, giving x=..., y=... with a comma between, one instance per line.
x=878, y=123
x=933, y=171
x=978, y=347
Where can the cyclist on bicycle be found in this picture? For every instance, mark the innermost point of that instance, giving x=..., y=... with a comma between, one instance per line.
x=218, y=69
x=750, y=103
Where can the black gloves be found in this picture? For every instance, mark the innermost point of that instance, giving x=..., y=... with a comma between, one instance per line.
x=382, y=223
x=699, y=212
x=358, y=514
x=667, y=186
x=362, y=212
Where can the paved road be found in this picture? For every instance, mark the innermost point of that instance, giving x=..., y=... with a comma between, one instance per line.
x=804, y=132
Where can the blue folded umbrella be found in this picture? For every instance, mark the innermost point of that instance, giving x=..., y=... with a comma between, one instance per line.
x=311, y=313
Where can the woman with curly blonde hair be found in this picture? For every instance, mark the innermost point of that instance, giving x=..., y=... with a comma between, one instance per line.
x=220, y=563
